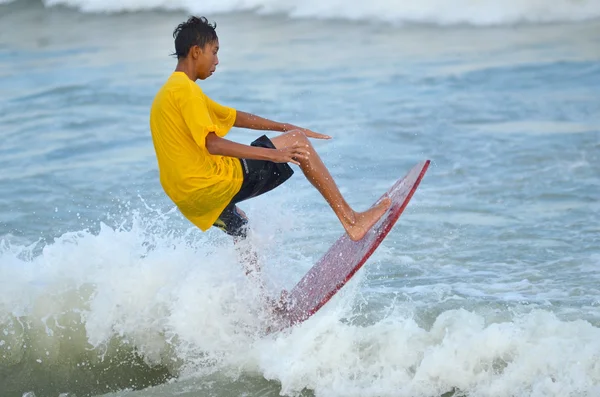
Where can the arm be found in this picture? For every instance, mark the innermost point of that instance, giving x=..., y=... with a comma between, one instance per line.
x=253, y=122
x=224, y=147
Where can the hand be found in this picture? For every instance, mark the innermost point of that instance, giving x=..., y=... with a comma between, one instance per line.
x=307, y=132
x=290, y=154
x=312, y=134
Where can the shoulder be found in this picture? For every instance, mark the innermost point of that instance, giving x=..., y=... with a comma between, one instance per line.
x=180, y=87
x=179, y=82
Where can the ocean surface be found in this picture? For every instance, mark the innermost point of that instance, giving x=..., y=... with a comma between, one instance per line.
x=488, y=286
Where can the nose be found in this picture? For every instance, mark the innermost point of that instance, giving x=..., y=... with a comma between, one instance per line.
x=216, y=60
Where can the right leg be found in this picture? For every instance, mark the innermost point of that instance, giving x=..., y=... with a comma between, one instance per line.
x=234, y=222
x=356, y=224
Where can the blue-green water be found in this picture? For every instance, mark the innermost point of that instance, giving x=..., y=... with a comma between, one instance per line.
x=488, y=285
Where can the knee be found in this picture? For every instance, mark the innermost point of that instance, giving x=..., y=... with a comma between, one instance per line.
x=298, y=136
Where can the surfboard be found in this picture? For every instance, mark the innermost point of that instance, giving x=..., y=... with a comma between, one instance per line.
x=345, y=257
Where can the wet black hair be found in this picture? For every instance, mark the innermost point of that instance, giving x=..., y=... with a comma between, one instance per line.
x=195, y=31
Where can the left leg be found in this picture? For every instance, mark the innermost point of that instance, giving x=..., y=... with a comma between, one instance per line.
x=356, y=224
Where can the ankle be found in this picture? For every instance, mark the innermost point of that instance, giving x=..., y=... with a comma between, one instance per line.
x=348, y=218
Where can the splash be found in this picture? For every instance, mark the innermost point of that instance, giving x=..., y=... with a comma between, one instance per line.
x=139, y=304
x=120, y=308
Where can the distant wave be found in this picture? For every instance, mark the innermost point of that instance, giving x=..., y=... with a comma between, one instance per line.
x=439, y=12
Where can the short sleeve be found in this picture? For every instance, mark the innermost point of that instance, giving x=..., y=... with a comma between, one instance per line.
x=222, y=116
x=196, y=116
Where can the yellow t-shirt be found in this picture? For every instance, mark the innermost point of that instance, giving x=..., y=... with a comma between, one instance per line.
x=199, y=183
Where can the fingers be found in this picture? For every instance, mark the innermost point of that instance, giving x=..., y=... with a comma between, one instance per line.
x=299, y=153
x=294, y=154
x=316, y=135
x=287, y=155
x=321, y=136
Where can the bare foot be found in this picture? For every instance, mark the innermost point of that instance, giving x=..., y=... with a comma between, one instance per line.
x=366, y=220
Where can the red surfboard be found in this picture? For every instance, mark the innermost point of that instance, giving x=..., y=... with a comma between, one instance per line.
x=346, y=257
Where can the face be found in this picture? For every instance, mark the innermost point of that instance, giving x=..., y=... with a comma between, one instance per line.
x=206, y=59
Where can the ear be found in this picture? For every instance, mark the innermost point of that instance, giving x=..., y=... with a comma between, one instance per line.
x=195, y=51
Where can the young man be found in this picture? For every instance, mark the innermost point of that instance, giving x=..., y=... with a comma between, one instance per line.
x=205, y=174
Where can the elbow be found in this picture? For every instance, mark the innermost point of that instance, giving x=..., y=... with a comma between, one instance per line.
x=212, y=143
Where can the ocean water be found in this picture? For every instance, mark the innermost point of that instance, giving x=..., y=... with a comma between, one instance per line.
x=489, y=285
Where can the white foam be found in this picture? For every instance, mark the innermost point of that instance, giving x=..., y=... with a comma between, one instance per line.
x=443, y=12
x=116, y=287
x=536, y=355
x=182, y=301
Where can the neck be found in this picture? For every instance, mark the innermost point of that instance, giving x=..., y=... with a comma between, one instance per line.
x=185, y=66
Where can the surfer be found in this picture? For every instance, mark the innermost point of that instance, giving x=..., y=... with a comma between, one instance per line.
x=206, y=175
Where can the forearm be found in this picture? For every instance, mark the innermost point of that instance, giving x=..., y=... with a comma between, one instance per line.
x=224, y=147
x=254, y=122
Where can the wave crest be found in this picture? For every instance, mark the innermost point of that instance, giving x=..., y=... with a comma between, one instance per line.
x=437, y=12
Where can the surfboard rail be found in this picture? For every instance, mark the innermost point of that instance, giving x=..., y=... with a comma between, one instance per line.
x=346, y=257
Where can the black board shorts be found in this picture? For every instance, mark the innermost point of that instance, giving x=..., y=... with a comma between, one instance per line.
x=260, y=176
